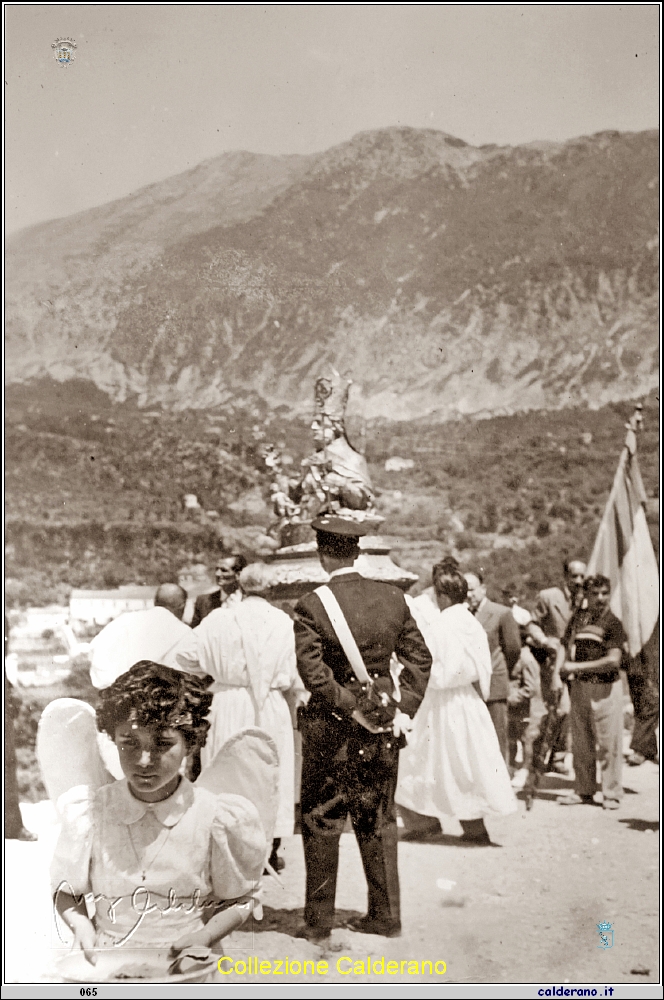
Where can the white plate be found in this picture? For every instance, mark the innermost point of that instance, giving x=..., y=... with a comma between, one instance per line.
x=75, y=968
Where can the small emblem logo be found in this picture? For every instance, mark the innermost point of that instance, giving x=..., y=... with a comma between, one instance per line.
x=605, y=931
x=64, y=50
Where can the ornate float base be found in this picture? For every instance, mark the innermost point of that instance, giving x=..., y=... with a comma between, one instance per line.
x=295, y=570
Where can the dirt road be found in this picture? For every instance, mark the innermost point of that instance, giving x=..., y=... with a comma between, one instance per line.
x=525, y=910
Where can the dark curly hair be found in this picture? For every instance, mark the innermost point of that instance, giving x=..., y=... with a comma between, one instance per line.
x=151, y=694
x=448, y=564
x=447, y=580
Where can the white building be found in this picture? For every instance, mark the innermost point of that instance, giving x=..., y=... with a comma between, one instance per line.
x=98, y=607
x=34, y=621
x=398, y=464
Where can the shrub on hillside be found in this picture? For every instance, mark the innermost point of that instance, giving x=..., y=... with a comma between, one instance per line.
x=467, y=540
x=561, y=509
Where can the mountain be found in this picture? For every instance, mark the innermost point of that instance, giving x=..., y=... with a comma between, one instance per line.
x=444, y=278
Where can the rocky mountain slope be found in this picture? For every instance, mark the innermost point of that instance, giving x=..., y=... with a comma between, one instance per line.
x=444, y=278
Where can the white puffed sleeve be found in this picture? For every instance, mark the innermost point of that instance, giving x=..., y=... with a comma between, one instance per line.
x=239, y=847
x=70, y=867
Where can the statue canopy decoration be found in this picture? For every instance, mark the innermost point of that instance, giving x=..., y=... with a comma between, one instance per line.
x=334, y=479
x=331, y=396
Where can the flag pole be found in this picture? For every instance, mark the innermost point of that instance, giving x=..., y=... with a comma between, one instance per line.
x=629, y=448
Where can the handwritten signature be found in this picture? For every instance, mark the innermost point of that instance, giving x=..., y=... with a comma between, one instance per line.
x=140, y=902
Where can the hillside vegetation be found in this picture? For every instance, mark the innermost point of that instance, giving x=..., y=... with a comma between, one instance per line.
x=95, y=489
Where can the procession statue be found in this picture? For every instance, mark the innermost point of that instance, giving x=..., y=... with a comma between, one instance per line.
x=335, y=478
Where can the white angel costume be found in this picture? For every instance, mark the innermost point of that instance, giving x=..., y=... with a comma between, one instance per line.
x=249, y=650
x=452, y=765
x=149, y=871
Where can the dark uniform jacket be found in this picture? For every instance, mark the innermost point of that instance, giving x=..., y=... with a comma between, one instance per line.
x=345, y=767
x=381, y=624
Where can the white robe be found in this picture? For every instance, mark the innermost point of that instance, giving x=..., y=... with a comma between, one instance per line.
x=452, y=765
x=249, y=650
x=153, y=634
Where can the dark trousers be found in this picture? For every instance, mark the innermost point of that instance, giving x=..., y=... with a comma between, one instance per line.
x=347, y=770
x=644, y=692
x=558, y=732
x=562, y=740
x=498, y=713
x=518, y=722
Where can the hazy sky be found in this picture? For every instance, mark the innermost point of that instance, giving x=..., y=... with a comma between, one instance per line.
x=156, y=89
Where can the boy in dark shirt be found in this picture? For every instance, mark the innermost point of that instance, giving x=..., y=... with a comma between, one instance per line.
x=590, y=658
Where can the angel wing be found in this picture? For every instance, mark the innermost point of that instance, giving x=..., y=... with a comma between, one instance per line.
x=247, y=764
x=68, y=748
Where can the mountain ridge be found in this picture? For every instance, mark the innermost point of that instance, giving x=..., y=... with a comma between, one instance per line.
x=447, y=279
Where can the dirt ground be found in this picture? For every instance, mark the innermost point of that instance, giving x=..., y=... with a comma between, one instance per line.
x=524, y=910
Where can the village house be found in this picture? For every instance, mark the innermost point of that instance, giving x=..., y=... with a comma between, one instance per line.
x=98, y=607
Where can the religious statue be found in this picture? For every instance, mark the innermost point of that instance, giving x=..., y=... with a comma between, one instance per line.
x=335, y=478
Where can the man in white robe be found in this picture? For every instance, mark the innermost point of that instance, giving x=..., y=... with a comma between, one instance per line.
x=153, y=634
x=249, y=650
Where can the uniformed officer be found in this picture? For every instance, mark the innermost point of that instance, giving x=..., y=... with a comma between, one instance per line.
x=349, y=747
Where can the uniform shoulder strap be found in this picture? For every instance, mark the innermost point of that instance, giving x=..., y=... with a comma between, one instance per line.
x=343, y=632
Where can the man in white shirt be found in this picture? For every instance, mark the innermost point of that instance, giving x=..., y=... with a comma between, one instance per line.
x=154, y=634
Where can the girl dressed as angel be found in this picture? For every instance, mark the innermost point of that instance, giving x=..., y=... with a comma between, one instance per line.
x=150, y=860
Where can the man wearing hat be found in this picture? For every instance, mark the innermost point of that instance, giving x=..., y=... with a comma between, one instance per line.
x=346, y=634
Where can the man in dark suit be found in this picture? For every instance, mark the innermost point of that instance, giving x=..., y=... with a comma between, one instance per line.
x=555, y=606
x=505, y=644
x=226, y=573
x=349, y=748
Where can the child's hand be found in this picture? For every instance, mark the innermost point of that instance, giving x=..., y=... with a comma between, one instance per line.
x=557, y=684
x=74, y=912
x=217, y=927
x=85, y=935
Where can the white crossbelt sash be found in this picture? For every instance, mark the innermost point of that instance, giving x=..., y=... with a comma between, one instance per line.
x=344, y=634
x=348, y=644
x=402, y=723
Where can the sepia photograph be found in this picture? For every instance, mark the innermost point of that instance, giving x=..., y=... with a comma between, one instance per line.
x=332, y=465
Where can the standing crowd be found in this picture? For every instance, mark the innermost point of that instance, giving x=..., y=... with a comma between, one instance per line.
x=442, y=705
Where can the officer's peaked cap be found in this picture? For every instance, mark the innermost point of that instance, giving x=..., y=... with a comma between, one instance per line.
x=334, y=525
